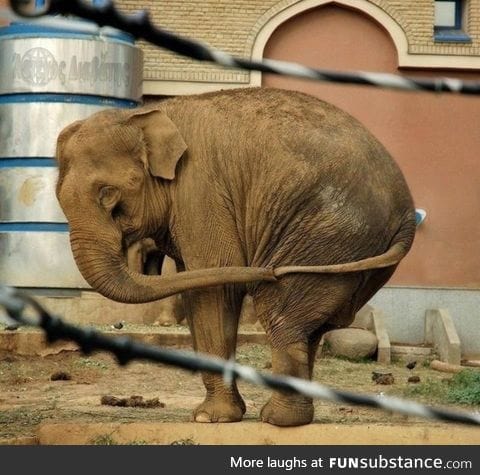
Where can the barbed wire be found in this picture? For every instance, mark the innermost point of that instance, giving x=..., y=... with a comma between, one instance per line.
x=140, y=26
x=126, y=350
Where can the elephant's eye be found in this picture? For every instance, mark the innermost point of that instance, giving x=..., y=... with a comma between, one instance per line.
x=117, y=211
x=109, y=196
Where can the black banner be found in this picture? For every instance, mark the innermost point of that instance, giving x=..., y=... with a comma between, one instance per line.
x=241, y=460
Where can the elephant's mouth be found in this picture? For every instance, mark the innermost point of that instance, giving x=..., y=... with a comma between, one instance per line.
x=131, y=237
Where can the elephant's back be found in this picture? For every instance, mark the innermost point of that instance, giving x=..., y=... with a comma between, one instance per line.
x=306, y=144
x=307, y=129
x=277, y=109
x=307, y=181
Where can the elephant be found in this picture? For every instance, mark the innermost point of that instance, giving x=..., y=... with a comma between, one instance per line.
x=259, y=191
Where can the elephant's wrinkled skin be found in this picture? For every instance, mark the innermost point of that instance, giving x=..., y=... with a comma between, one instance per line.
x=247, y=182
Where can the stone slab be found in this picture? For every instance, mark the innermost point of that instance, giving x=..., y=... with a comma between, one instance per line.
x=384, y=354
x=440, y=331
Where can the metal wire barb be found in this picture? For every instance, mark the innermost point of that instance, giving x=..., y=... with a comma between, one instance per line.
x=126, y=350
x=140, y=26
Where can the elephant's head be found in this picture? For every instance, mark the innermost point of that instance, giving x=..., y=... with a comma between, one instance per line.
x=115, y=174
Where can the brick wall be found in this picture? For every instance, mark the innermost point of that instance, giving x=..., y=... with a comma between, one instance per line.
x=416, y=19
x=232, y=26
x=220, y=23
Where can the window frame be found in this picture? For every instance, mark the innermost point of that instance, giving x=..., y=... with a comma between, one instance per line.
x=458, y=16
x=449, y=34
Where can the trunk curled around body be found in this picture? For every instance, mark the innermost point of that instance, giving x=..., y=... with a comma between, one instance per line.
x=106, y=270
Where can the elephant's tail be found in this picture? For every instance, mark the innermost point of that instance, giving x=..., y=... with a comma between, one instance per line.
x=390, y=258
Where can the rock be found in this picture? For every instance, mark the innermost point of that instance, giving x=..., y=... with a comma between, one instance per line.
x=353, y=343
x=414, y=379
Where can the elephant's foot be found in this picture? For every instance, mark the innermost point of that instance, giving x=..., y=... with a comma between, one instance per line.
x=220, y=408
x=165, y=319
x=287, y=411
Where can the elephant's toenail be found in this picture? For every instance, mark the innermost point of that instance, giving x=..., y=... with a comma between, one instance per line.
x=202, y=417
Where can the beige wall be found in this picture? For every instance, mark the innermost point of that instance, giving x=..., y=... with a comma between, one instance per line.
x=434, y=138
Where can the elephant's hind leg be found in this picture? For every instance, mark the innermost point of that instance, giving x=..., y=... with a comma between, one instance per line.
x=284, y=409
x=296, y=359
x=295, y=313
x=213, y=316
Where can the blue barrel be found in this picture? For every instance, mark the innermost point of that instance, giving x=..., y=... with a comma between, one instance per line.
x=50, y=77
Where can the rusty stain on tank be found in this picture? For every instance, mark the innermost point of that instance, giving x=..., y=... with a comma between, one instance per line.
x=29, y=190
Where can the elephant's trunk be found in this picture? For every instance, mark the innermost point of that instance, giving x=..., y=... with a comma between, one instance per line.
x=105, y=269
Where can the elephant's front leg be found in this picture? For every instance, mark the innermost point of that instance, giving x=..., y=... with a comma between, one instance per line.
x=213, y=319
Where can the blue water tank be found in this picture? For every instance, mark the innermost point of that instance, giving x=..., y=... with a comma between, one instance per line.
x=50, y=77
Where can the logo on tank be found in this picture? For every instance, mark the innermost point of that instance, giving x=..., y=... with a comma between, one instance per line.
x=38, y=67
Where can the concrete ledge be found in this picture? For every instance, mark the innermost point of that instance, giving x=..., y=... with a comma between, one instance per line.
x=440, y=331
x=32, y=342
x=254, y=433
x=89, y=307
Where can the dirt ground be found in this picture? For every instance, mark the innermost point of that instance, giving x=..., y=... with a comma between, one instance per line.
x=29, y=397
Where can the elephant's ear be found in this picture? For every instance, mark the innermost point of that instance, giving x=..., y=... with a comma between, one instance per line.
x=62, y=139
x=164, y=143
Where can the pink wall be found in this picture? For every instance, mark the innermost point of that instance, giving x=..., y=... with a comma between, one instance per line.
x=434, y=138
x=3, y=3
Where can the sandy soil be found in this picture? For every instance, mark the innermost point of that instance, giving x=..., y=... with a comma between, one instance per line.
x=29, y=397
